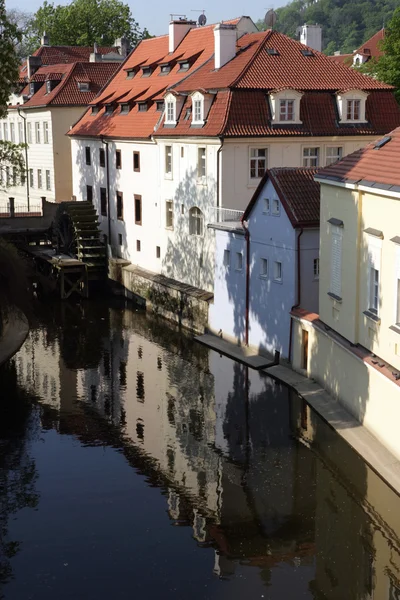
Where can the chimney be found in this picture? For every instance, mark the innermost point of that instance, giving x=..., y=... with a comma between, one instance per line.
x=33, y=63
x=44, y=40
x=311, y=35
x=177, y=31
x=122, y=45
x=224, y=44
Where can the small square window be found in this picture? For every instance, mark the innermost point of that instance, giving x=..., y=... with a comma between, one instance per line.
x=266, y=206
x=136, y=162
x=316, y=268
x=263, y=267
x=130, y=73
x=160, y=105
x=142, y=106
x=146, y=71
x=239, y=261
x=276, y=207
x=184, y=66
x=109, y=109
x=95, y=110
x=120, y=239
x=278, y=271
x=125, y=108
x=227, y=258
x=158, y=252
x=165, y=69
x=138, y=246
x=118, y=159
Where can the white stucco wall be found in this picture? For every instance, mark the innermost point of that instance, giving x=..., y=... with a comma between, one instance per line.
x=309, y=251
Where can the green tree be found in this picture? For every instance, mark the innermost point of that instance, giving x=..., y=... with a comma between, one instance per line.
x=84, y=22
x=12, y=164
x=21, y=20
x=9, y=63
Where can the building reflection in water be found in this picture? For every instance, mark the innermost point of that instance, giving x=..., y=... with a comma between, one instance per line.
x=240, y=458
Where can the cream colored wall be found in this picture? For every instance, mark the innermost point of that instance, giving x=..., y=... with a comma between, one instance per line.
x=368, y=395
x=62, y=119
x=238, y=188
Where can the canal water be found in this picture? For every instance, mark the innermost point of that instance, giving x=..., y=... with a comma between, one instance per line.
x=135, y=463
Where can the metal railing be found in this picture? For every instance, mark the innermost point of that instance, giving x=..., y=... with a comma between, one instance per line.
x=11, y=209
x=225, y=215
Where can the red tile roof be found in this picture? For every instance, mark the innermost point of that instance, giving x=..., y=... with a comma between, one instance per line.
x=372, y=46
x=66, y=92
x=244, y=109
x=344, y=59
x=372, y=167
x=298, y=192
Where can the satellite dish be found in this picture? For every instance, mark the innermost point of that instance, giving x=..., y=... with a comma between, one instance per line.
x=270, y=18
x=202, y=20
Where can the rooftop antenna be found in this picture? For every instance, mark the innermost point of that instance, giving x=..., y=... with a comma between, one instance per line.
x=270, y=18
x=202, y=20
x=181, y=16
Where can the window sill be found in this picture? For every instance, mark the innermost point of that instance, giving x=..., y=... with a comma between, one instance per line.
x=274, y=214
x=372, y=316
x=334, y=297
x=169, y=228
x=395, y=328
x=278, y=281
x=263, y=277
x=168, y=176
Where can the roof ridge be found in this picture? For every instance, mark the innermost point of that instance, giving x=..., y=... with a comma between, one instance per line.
x=252, y=58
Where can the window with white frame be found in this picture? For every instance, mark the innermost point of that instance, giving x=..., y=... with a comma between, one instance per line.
x=196, y=221
x=170, y=117
x=39, y=179
x=31, y=180
x=266, y=206
x=201, y=164
x=37, y=132
x=239, y=261
x=198, y=110
x=311, y=157
x=12, y=133
x=1, y=132
x=5, y=131
x=29, y=131
x=264, y=267
x=8, y=176
x=336, y=261
x=227, y=258
x=352, y=106
x=276, y=207
x=169, y=214
x=20, y=132
x=286, y=110
x=316, y=268
x=258, y=162
x=168, y=161
x=333, y=154
x=278, y=271
x=353, y=110
x=374, y=265
x=48, y=181
x=45, y=132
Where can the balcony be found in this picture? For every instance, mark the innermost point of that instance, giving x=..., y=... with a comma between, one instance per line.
x=228, y=217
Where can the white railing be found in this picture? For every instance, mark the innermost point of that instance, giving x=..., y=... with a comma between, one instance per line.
x=225, y=215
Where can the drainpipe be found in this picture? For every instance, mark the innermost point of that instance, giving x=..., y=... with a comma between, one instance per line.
x=298, y=292
x=108, y=191
x=218, y=170
x=247, y=310
x=26, y=158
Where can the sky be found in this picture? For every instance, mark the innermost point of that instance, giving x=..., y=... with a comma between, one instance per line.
x=156, y=14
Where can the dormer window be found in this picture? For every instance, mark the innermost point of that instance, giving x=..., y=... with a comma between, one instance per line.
x=32, y=88
x=201, y=104
x=285, y=106
x=130, y=73
x=146, y=71
x=170, y=110
x=351, y=106
x=165, y=69
x=48, y=87
x=83, y=86
x=95, y=110
x=198, y=109
x=184, y=65
x=160, y=105
x=142, y=106
x=125, y=108
x=109, y=109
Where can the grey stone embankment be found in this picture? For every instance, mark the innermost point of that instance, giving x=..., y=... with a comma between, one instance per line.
x=13, y=335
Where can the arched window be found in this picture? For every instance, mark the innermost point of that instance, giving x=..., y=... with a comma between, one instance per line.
x=196, y=221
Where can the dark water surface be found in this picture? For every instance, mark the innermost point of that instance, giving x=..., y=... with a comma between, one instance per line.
x=135, y=463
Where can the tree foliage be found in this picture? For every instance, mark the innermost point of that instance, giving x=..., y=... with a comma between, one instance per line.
x=84, y=22
x=12, y=164
x=346, y=24
x=9, y=63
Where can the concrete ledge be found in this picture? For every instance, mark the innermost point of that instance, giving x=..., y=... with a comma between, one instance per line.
x=241, y=354
x=14, y=334
x=371, y=450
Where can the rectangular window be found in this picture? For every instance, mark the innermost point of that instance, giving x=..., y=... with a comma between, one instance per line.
x=102, y=157
x=168, y=160
x=227, y=258
x=125, y=108
x=103, y=202
x=89, y=193
x=276, y=207
x=159, y=105
x=201, y=163
x=12, y=133
x=20, y=133
x=5, y=131
x=118, y=159
x=120, y=206
x=23, y=177
x=170, y=112
x=120, y=239
x=353, y=110
x=197, y=111
x=277, y=271
x=1, y=132
x=48, y=180
x=88, y=157
x=142, y=107
x=45, y=132
x=169, y=214
x=39, y=179
x=266, y=207
x=263, y=267
x=286, y=110
x=336, y=262
x=138, y=246
x=136, y=162
x=37, y=132
x=8, y=178
x=31, y=180
x=29, y=130
x=130, y=73
x=239, y=261
x=374, y=291
x=316, y=268
x=158, y=252
x=333, y=154
x=138, y=209
x=258, y=162
x=14, y=176
x=310, y=157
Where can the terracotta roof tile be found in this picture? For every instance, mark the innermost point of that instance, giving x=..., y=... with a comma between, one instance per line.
x=373, y=166
x=298, y=192
x=372, y=46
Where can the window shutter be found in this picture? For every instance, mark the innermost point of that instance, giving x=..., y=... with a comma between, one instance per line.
x=336, y=262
